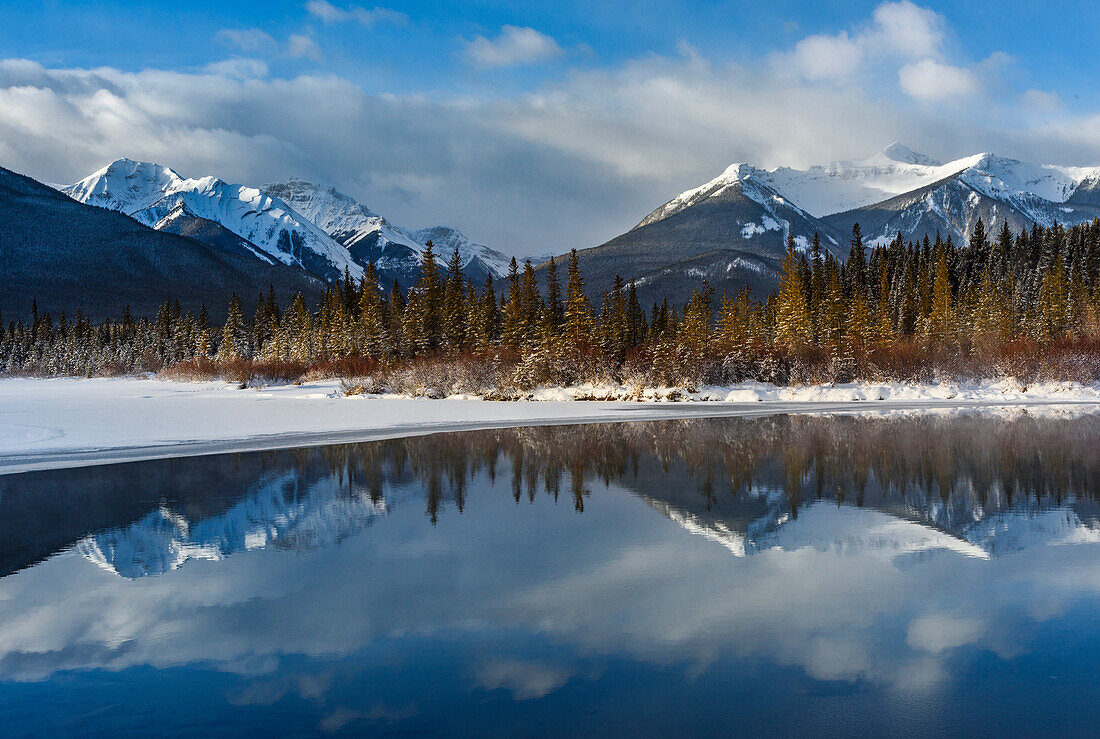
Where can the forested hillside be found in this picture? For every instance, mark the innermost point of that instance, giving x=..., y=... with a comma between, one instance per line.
x=1024, y=304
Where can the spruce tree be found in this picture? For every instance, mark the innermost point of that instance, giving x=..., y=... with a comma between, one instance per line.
x=792, y=329
x=856, y=266
x=372, y=328
x=555, y=309
x=578, y=311
x=454, y=305
x=939, y=319
x=513, y=328
x=232, y=332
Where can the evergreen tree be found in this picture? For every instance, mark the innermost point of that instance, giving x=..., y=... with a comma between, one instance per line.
x=555, y=309
x=695, y=329
x=578, y=311
x=454, y=305
x=232, y=345
x=372, y=327
x=939, y=319
x=856, y=266
x=792, y=329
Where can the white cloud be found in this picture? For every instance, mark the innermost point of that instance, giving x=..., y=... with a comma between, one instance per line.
x=512, y=46
x=247, y=39
x=827, y=57
x=238, y=68
x=596, y=150
x=300, y=45
x=907, y=30
x=930, y=80
x=897, y=31
x=330, y=13
x=253, y=40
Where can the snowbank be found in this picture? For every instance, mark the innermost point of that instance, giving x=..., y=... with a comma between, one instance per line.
x=750, y=392
x=48, y=423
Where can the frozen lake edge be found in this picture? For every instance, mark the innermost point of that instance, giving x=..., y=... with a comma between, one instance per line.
x=64, y=422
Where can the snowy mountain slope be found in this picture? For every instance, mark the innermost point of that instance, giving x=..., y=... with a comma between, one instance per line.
x=180, y=220
x=66, y=256
x=124, y=185
x=948, y=208
x=825, y=189
x=369, y=237
x=150, y=193
x=338, y=215
x=751, y=210
x=731, y=218
x=841, y=186
x=992, y=188
x=445, y=238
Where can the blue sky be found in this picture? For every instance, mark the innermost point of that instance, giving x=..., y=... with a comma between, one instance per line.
x=536, y=126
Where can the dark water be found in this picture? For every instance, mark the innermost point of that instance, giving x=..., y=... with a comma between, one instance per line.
x=921, y=576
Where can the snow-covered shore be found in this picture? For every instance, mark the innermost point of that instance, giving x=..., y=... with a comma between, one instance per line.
x=51, y=423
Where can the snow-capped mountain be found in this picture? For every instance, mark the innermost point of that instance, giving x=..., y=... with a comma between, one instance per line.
x=996, y=189
x=63, y=255
x=369, y=237
x=296, y=222
x=899, y=190
x=160, y=198
x=777, y=212
x=826, y=190
x=726, y=231
x=748, y=210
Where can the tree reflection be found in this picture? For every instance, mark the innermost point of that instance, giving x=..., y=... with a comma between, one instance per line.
x=946, y=470
x=965, y=462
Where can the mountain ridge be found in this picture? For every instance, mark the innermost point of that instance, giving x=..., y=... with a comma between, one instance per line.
x=750, y=210
x=68, y=256
x=296, y=222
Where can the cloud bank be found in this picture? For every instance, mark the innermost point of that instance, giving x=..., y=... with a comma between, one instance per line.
x=571, y=162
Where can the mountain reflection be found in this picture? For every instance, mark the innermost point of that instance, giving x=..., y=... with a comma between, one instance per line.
x=881, y=553
x=966, y=482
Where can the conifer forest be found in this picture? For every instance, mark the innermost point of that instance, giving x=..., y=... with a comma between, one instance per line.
x=1025, y=305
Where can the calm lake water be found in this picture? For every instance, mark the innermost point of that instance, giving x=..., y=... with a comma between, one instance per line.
x=923, y=575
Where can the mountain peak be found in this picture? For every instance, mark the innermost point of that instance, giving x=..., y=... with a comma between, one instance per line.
x=899, y=152
x=125, y=185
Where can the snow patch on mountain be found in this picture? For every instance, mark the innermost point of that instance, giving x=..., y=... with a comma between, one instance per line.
x=1005, y=179
x=149, y=192
x=351, y=223
x=124, y=185
x=839, y=186
x=446, y=239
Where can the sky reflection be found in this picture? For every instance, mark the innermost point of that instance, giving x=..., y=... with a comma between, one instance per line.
x=451, y=582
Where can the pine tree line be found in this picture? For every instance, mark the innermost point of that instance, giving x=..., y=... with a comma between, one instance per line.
x=931, y=298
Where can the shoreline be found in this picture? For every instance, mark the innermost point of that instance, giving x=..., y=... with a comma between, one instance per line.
x=67, y=423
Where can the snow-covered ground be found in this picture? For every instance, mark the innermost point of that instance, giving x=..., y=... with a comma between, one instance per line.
x=49, y=423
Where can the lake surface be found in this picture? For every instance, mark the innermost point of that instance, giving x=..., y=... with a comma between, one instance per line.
x=920, y=574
